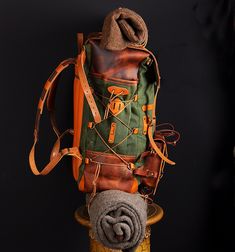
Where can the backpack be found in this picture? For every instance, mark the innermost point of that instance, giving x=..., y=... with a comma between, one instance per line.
x=116, y=141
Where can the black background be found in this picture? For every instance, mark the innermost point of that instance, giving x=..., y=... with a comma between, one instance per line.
x=193, y=43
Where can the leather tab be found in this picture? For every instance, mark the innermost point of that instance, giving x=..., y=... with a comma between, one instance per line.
x=145, y=124
x=116, y=106
x=118, y=90
x=147, y=107
x=145, y=173
x=112, y=132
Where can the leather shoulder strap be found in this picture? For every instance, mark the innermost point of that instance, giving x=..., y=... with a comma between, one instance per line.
x=58, y=155
x=52, y=92
x=80, y=73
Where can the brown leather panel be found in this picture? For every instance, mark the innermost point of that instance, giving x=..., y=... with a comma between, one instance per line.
x=114, y=80
x=123, y=64
x=114, y=174
x=151, y=170
x=108, y=157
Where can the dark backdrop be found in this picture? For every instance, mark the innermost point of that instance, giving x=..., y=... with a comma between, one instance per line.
x=193, y=43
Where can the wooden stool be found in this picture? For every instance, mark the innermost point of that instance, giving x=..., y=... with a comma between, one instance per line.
x=155, y=214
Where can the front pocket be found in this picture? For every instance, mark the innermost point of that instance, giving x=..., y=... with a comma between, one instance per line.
x=113, y=173
x=115, y=104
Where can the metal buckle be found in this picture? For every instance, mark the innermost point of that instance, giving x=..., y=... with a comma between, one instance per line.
x=149, y=174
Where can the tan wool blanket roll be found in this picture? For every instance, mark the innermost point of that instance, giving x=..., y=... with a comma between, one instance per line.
x=123, y=27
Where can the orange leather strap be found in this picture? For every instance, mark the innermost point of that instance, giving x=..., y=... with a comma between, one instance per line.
x=153, y=122
x=56, y=155
x=51, y=106
x=78, y=103
x=155, y=147
x=80, y=73
x=52, y=92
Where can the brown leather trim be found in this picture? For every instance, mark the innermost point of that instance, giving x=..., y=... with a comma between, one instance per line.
x=141, y=171
x=98, y=35
x=122, y=64
x=114, y=173
x=114, y=80
x=109, y=156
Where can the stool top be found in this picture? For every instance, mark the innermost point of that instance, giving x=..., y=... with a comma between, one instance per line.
x=154, y=212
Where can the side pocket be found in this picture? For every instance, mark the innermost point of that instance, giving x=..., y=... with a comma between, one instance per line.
x=151, y=171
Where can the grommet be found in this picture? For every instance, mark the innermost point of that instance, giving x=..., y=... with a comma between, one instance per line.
x=135, y=131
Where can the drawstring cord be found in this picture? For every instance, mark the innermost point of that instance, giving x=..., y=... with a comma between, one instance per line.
x=96, y=176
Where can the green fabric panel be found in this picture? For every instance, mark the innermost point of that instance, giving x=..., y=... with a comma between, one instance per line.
x=132, y=115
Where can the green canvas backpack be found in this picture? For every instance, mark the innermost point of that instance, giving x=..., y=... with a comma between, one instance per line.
x=117, y=143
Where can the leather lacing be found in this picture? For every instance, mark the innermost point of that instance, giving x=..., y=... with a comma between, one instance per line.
x=107, y=114
x=160, y=129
